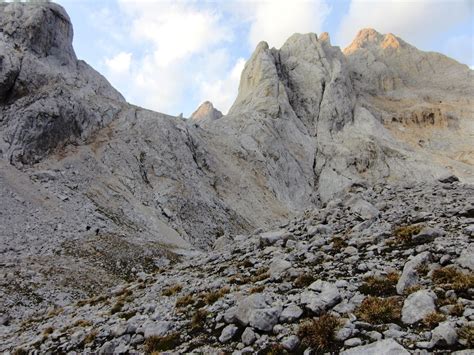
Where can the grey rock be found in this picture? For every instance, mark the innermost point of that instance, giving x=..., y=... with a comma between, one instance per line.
x=352, y=342
x=466, y=259
x=222, y=243
x=444, y=334
x=291, y=342
x=264, y=319
x=409, y=275
x=160, y=328
x=291, y=313
x=381, y=347
x=248, y=336
x=417, y=306
x=228, y=333
x=278, y=266
x=364, y=209
x=327, y=296
x=269, y=238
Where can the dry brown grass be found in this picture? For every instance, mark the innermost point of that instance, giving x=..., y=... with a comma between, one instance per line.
x=433, y=319
x=212, y=296
x=338, y=243
x=303, y=281
x=378, y=310
x=82, y=323
x=257, y=289
x=380, y=286
x=198, y=319
x=172, y=290
x=163, y=343
x=451, y=278
x=90, y=337
x=404, y=234
x=48, y=331
x=184, y=301
x=412, y=289
x=466, y=335
x=457, y=310
x=319, y=333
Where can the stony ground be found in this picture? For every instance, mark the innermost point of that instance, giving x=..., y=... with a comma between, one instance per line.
x=383, y=268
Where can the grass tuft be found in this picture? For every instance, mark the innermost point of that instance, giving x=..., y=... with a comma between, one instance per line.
x=378, y=310
x=380, y=286
x=319, y=333
x=172, y=290
x=451, y=278
x=184, y=301
x=404, y=234
x=303, y=280
x=433, y=319
x=162, y=343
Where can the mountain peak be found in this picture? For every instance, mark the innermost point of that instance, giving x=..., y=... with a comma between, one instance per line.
x=369, y=38
x=206, y=111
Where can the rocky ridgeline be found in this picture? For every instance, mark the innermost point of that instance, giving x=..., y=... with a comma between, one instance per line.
x=378, y=270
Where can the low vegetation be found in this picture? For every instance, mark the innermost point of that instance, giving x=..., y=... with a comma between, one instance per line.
x=404, y=234
x=466, y=335
x=319, y=333
x=433, y=319
x=184, y=301
x=378, y=310
x=303, y=280
x=380, y=285
x=451, y=278
x=172, y=290
x=161, y=343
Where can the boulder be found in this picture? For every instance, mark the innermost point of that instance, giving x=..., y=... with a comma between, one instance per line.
x=417, y=306
x=381, y=347
x=409, y=276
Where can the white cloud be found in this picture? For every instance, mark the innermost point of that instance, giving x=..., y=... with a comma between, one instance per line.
x=169, y=41
x=275, y=21
x=222, y=92
x=416, y=21
x=120, y=63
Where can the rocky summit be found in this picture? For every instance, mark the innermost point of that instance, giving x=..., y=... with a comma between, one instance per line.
x=331, y=209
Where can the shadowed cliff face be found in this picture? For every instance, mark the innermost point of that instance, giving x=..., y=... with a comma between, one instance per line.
x=309, y=122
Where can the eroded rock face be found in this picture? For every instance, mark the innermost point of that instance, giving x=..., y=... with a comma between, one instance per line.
x=48, y=97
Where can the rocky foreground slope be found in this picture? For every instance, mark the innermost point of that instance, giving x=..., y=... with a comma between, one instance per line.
x=96, y=192
x=379, y=270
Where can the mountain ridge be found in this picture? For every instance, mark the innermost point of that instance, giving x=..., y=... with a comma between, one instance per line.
x=103, y=179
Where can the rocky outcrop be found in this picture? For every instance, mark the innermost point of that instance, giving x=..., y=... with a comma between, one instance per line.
x=48, y=97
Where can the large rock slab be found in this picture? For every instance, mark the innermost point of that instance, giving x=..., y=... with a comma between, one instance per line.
x=381, y=347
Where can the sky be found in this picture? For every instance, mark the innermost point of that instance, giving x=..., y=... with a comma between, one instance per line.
x=170, y=56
